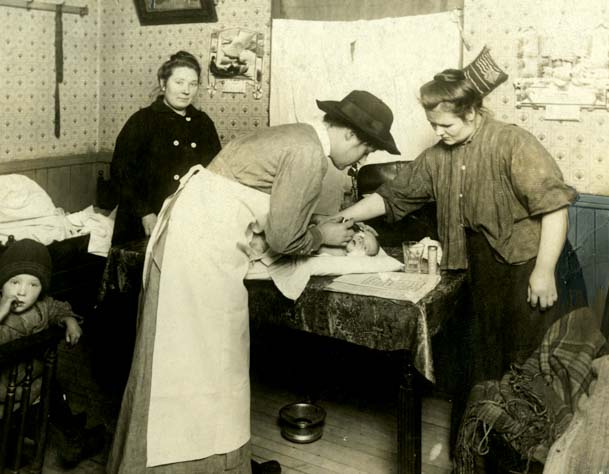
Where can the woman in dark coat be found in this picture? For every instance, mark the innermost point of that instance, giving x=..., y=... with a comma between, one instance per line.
x=157, y=145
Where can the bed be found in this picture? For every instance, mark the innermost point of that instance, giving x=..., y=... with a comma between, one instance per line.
x=29, y=364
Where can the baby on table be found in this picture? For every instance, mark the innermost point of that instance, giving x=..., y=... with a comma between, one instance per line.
x=363, y=243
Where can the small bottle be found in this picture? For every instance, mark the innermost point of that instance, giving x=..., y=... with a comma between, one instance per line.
x=432, y=259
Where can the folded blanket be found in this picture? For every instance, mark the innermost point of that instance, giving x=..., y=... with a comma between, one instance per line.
x=532, y=405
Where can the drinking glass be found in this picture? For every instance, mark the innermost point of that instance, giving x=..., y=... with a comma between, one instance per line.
x=413, y=252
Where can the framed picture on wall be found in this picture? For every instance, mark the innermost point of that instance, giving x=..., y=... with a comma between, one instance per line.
x=167, y=12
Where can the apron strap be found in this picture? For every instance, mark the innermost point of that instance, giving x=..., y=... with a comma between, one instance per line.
x=163, y=218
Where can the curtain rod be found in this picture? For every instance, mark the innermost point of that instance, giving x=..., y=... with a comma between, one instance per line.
x=50, y=7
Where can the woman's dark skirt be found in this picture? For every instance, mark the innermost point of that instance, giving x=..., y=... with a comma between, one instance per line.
x=501, y=327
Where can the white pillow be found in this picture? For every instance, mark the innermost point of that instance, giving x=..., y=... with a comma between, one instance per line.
x=23, y=198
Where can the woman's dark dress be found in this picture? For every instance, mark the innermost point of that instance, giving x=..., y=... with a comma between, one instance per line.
x=153, y=150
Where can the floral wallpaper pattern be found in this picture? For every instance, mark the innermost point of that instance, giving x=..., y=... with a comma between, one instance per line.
x=580, y=147
x=110, y=63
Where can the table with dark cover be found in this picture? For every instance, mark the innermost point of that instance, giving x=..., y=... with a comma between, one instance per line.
x=401, y=327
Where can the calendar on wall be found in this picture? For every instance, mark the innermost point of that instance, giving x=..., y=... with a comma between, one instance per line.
x=235, y=62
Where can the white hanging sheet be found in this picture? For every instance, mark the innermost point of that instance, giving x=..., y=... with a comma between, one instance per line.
x=390, y=58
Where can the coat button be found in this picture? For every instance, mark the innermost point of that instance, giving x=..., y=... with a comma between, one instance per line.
x=188, y=119
x=193, y=145
x=176, y=143
x=176, y=177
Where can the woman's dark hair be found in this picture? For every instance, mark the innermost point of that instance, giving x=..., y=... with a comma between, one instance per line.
x=453, y=90
x=179, y=59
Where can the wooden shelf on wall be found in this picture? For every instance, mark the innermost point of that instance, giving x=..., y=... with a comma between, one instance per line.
x=45, y=6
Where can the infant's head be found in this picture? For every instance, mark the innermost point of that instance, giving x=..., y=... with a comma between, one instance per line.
x=363, y=243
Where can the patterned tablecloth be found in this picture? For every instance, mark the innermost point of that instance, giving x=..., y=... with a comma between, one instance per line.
x=376, y=323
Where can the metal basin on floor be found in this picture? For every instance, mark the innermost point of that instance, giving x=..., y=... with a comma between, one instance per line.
x=302, y=422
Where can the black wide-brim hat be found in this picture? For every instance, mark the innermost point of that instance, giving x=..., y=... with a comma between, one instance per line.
x=367, y=114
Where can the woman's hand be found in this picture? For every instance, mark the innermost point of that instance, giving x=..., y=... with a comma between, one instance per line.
x=148, y=223
x=73, y=331
x=542, y=283
x=542, y=289
x=366, y=228
x=336, y=233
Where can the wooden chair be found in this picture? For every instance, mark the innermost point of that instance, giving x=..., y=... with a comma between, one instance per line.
x=369, y=177
x=23, y=407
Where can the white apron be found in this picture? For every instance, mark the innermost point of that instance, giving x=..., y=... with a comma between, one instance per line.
x=200, y=392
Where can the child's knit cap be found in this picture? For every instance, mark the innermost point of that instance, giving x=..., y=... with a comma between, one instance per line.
x=29, y=257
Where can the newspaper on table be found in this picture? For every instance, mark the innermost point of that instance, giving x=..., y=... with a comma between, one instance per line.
x=393, y=285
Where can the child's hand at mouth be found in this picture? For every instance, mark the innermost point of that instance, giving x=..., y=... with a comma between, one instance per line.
x=16, y=303
x=8, y=304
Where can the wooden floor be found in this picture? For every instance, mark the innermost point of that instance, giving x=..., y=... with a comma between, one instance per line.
x=359, y=433
x=356, y=438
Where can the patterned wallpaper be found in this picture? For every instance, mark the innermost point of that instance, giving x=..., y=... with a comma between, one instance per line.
x=131, y=54
x=579, y=147
x=95, y=105
x=27, y=75
x=111, y=63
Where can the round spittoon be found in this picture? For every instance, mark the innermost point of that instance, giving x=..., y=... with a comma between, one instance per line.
x=302, y=422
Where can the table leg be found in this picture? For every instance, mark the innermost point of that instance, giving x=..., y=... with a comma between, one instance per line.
x=409, y=419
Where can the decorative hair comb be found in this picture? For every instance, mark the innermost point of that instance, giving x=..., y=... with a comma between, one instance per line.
x=450, y=75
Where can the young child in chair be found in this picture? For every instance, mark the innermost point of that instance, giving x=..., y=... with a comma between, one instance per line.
x=26, y=309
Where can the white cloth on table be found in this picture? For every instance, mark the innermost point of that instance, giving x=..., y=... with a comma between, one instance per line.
x=428, y=242
x=291, y=274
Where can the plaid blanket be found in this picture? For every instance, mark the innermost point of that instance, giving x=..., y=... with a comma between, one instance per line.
x=532, y=404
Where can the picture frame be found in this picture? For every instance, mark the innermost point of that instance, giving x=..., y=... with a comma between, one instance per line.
x=168, y=12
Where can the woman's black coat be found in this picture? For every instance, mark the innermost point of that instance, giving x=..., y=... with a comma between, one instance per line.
x=153, y=150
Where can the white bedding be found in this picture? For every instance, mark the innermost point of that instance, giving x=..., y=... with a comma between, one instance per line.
x=27, y=211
